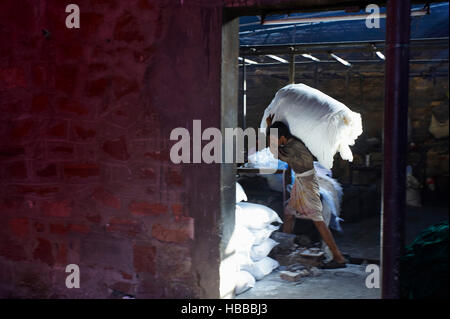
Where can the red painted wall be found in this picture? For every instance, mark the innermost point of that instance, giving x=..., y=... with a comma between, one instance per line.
x=85, y=176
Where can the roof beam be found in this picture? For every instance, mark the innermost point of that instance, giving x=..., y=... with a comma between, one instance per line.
x=325, y=47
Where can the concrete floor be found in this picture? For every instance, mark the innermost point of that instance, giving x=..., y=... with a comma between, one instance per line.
x=359, y=240
x=345, y=283
x=362, y=239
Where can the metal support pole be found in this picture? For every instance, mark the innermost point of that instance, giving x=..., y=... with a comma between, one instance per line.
x=292, y=69
x=316, y=76
x=361, y=89
x=347, y=82
x=244, y=94
x=395, y=144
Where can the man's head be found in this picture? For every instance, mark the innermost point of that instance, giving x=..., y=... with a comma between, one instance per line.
x=276, y=140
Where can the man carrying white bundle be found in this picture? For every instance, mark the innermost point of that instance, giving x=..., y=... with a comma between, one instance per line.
x=293, y=104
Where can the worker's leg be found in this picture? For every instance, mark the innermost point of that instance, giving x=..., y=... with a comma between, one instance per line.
x=327, y=237
x=289, y=220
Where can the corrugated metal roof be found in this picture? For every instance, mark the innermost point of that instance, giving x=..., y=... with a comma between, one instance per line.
x=251, y=32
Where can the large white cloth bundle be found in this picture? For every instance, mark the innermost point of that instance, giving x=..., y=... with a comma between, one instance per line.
x=263, y=234
x=412, y=189
x=258, y=252
x=261, y=268
x=331, y=192
x=325, y=125
x=265, y=159
x=244, y=281
x=255, y=216
x=240, y=193
x=242, y=240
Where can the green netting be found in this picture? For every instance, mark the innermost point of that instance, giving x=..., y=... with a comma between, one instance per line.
x=424, y=267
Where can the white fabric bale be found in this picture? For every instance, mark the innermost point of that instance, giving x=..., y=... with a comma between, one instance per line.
x=412, y=189
x=242, y=259
x=330, y=211
x=255, y=216
x=263, y=159
x=331, y=192
x=261, y=268
x=241, y=241
x=263, y=234
x=244, y=281
x=325, y=125
x=320, y=170
x=260, y=251
x=327, y=182
x=240, y=193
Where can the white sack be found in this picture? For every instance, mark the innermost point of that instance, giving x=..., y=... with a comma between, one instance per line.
x=331, y=192
x=240, y=193
x=330, y=211
x=241, y=240
x=264, y=159
x=263, y=234
x=261, y=268
x=325, y=125
x=322, y=171
x=413, y=186
x=244, y=281
x=255, y=216
x=258, y=252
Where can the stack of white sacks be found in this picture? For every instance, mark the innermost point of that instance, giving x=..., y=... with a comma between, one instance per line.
x=251, y=241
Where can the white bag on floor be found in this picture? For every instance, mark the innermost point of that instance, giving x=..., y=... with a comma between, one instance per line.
x=412, y=189
x=263, y=234
x=261, y=268
x=240, y=193
x=242, y=240
x=244, y=281
x=325, y=125
x=258, y=252
x=255, y=216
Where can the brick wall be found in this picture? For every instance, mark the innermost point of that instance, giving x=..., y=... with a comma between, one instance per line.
x=85, y=172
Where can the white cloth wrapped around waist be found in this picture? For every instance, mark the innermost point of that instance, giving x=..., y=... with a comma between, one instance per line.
x=305, y=196
x=325, y=125
x=306, y=173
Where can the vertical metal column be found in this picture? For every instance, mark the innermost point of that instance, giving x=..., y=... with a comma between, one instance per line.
x=316, y=76
x=347, y=82
x=292, y=69
x=244, y=94
x=395, y=144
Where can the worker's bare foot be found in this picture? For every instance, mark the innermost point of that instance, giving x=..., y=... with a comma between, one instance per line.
x=341, y=260
x=334, y=264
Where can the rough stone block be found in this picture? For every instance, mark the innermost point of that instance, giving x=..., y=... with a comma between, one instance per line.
x=293, y=276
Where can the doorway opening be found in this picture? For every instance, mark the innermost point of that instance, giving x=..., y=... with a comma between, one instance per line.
x=345, y=60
